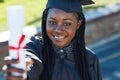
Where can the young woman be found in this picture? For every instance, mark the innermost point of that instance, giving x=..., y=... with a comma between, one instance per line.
x=61, y=53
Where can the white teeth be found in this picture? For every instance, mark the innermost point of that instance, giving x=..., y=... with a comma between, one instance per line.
x=59, y=37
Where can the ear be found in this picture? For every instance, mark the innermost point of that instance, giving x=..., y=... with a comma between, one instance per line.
x=79, y=23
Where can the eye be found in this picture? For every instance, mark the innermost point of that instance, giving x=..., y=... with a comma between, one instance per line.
x=67, y=24
x=52, y=22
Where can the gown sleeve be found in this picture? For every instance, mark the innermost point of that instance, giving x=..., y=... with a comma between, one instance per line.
x=34, y=52
x=97, y=69
x=94, y=68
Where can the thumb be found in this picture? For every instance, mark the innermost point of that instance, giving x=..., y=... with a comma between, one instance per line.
x=29, y=63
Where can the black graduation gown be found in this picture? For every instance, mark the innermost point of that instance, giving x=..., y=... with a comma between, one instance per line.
x=64, y=67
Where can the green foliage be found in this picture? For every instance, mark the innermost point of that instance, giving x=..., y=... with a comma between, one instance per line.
x=34, y=9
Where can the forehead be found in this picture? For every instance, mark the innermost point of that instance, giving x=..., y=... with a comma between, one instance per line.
x=56, y=10
x=59, y=12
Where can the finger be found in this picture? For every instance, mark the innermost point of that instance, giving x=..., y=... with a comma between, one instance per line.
x=8, y=60
x=29, y=61
x=11, y=69
x=11, y=77
x=13, y=61
x=4, y=68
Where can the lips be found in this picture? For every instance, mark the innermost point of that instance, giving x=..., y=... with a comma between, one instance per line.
x=59, y=37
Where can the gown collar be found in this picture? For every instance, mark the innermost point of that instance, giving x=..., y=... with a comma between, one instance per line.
x=65, y=53
x=67, y=50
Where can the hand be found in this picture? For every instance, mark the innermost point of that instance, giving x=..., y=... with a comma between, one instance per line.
x=8, y=69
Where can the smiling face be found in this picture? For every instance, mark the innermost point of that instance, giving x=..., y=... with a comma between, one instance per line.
x=61, y=27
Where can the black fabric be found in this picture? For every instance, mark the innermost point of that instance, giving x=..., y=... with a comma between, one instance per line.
x=65, y=68
x=34, y=48
x=68, y=5
x=35, y=72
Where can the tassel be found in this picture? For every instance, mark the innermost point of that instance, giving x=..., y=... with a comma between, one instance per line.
x=87, y=2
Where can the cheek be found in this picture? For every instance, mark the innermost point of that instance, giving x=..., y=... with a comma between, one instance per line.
x=49, y=31
x=72, y=33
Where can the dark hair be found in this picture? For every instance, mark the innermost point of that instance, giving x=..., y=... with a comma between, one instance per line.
x=79, y=51
x=78, y=15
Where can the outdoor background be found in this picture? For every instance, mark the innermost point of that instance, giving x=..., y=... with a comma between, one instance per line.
x=34, y=8
x=102, y=30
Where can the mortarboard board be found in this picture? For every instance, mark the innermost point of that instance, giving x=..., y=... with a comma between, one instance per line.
x=68, y=5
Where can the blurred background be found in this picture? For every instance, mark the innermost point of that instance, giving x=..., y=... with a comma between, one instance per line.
x=102, y=30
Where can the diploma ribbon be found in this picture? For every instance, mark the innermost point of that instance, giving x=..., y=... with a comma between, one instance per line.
x=22, y=38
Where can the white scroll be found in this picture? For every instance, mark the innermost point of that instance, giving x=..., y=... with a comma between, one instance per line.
x=17, y=39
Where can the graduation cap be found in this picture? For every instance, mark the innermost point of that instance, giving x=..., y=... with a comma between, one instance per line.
x=68, y=5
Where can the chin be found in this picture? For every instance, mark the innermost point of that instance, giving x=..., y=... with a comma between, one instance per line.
x=60, y=45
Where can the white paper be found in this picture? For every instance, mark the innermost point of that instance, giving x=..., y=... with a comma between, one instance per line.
x=16, y=26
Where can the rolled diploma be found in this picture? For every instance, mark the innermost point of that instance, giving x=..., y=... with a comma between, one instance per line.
x=16, y=26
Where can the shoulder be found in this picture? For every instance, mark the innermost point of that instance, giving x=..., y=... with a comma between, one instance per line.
x=91, y=56
x=93, y=63
x=34, y=41
x=35, y=45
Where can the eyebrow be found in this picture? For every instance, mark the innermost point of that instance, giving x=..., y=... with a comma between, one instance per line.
x=68, y=19
x=63, y=19
x=51, y=18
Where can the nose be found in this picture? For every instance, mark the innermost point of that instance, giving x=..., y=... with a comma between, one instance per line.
x=58, y=28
